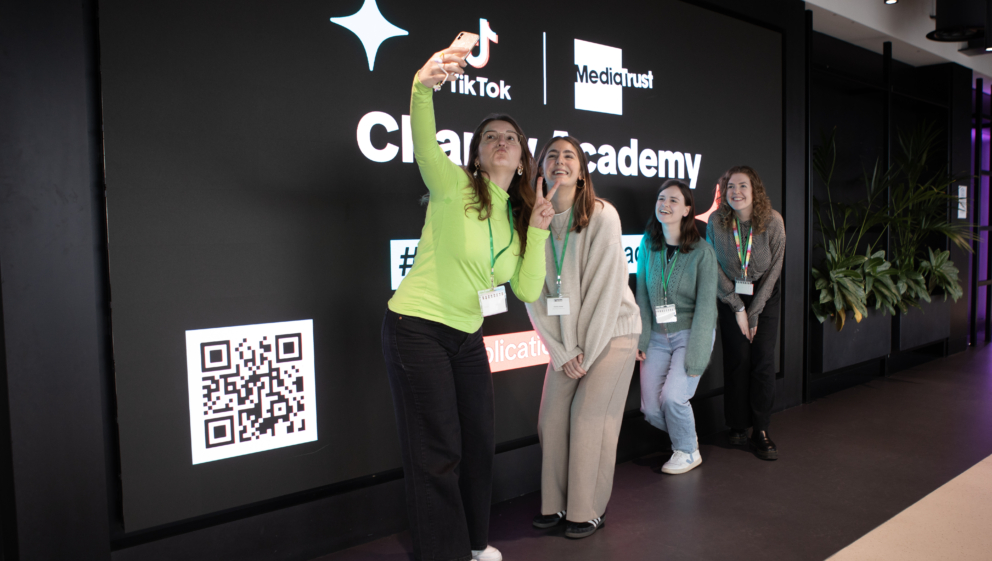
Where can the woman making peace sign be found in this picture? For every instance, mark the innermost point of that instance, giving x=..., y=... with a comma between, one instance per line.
x=485, y=225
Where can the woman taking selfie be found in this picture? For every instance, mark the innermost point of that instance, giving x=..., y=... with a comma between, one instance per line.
x=749, y=239
x=588, y=320
x=485, y=226
x=676, y=292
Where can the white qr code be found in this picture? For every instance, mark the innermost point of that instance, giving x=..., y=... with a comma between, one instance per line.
x=251, y=388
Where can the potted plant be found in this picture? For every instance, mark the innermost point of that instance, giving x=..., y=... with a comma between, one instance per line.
x=919, y=220
x=851, y=284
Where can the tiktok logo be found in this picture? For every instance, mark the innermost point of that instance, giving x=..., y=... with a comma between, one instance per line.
x=485, y=35
x=466, y=85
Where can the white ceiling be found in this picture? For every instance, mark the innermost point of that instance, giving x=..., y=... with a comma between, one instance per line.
x=869, y=23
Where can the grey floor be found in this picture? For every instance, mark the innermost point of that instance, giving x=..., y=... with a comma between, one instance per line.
x=849, y=462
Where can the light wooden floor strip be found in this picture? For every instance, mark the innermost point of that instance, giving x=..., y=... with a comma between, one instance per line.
x=953, y=522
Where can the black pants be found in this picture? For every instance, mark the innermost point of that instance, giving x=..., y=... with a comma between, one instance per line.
x=443, y=396
x=749, y=367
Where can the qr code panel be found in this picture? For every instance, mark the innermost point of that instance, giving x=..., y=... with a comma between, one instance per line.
x=254, y=389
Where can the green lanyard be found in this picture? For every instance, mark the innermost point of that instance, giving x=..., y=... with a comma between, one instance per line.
x=492, y=258
x=559, y=264
x=665, y=278
x=744, y=255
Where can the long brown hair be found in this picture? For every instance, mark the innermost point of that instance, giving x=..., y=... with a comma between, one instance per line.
x=520, y=191
x=688, y=233
x=585, y=196
x=761, y=205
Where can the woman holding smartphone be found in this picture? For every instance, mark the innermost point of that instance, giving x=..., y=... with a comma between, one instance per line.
x=749, y=238
x=588, y=320
x=676, y=292
x=485, y=225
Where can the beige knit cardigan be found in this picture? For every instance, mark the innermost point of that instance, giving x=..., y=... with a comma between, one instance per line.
x=594, y=278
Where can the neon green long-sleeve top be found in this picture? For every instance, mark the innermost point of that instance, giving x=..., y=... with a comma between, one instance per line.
x=453, y=258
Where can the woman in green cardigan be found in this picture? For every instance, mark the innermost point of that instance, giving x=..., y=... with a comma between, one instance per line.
x=676, y=292
x=485, y=226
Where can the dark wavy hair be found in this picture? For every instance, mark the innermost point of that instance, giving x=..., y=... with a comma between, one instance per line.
x=688, y=234
x=521, y=193
x=585, y=196
x=761, y=205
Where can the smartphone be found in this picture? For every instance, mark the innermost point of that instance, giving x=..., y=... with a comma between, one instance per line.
x=464, y=43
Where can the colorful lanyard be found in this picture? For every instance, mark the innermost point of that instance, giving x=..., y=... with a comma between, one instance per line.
x=665, y=277
x=559, y=264
x=745, y=260
x=492, y=258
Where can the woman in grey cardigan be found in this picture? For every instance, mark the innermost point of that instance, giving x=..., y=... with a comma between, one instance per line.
x=676, y=292
x=749, y=239
x=588, y=320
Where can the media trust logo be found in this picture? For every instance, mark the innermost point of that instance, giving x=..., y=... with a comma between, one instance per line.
x=600, y=78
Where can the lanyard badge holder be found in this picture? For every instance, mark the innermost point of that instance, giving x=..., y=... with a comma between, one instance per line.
x=492, y=301
x=558, y=306
x=666, y=312
x=742, y=285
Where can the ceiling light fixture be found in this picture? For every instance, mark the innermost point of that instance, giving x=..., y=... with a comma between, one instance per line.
x=891, y=1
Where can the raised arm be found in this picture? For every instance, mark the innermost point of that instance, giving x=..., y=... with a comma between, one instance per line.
x=439, y=172
x=528, y=279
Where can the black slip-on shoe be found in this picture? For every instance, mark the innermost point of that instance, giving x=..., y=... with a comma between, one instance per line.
x=548, y=520
x=763, y=446
x=584, y=529
x=737, y=437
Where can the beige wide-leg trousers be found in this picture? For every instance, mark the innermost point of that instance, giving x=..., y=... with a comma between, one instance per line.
x=579, y=424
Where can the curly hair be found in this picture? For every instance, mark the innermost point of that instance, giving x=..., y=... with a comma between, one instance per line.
x=521, y=193
x=585, y=195
x=688, y=234
x=761, y=206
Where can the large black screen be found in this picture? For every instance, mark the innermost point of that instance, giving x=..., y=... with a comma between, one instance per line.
x=258, y=172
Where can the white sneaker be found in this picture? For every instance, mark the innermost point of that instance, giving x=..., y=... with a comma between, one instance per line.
x=488, y=554
x=682, y=462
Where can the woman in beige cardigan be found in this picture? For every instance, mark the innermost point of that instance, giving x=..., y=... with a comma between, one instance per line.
x=590, y=323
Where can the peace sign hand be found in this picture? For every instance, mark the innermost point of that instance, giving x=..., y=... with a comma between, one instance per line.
x=445, y=65
x=543, y=212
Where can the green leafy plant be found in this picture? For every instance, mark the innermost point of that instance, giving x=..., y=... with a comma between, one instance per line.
x=881, y=282
x=940, y=272
x=918, y=214
x=842, y=279
x=841, y=287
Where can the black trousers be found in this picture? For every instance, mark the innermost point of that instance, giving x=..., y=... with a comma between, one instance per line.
x=443, y=396
x=749, y=367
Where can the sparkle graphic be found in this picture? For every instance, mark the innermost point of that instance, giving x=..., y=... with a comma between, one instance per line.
x=370, y=27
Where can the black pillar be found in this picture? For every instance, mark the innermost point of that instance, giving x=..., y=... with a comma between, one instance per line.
x=52, y=307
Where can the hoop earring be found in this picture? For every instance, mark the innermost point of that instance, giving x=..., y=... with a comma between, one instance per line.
x=476, y=172
x=520, y=169
x=581, y=183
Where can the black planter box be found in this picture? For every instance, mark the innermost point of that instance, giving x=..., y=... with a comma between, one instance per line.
x=919, y=327
x=856, y=343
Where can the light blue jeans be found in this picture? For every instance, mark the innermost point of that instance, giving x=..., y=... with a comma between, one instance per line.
x=666, y=389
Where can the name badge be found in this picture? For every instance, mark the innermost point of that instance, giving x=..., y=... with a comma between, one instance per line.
x=492, y=301
x=665, y=314
x=744, y=287
x=558, y=307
